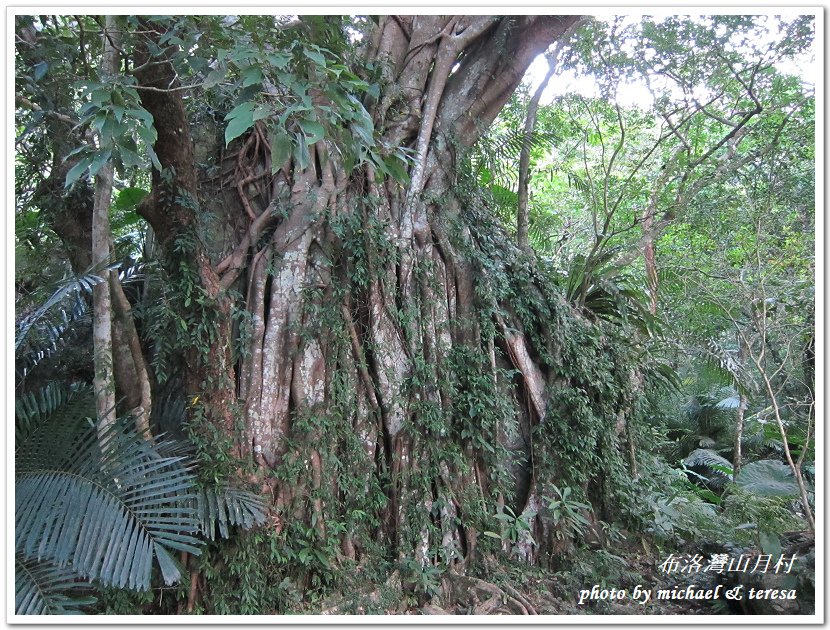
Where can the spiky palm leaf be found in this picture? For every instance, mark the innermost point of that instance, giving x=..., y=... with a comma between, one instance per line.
x=32, y=408
x=217, y=509
x=41, y=333
x=662, y=374
x=595, y=285
x=702, y=424
x=40, y=589
x=68, y=293
x=716, y=470
x=725, y=363
x=104, y=508
x=705, y=458
x=40, y=336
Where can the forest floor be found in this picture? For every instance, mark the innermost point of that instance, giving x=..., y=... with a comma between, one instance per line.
x=517, y=589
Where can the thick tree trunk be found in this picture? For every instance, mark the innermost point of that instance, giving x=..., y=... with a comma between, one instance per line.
x=388, y=388
x=171, y=210
x=378, y=337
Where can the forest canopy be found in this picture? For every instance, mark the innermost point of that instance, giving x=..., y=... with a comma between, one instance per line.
x=414, y=314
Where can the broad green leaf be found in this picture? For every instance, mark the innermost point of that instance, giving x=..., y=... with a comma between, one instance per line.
x=373, y=90
x=148, y=135
x=301, y=155
x=364, y=129
x=215, y=77
x=143, y=115
x=252, y=75
x=396, y=169
x=129, y=198
x=316, y=57
x=129, y=158
x=101, y=158
x=263, y=111
x=278, y=60
x=240, y=119
x=313, y=130
x=40, y=70
x=154, y=158
x=76, y=171
x=770, y=543
x=280, y=149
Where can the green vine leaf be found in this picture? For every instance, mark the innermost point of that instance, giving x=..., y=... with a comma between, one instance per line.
x=312, y=130
x=280, y=149
x=239, y=119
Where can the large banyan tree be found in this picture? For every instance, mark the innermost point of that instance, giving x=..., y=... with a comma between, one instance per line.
x=347, y=325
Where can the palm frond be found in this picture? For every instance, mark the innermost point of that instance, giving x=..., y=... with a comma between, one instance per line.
x=722, y=362
x=705, y=458
x=663, y=374
x=68, y=292
x=497, y=153
x=716, y=470
x=41, y=335
x=218, y=509
x=33, y=408
x=768, y=478
x=103, y=507
x=577, y=183
x=40, y=589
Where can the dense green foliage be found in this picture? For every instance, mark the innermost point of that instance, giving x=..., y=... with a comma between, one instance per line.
x=667, y=305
